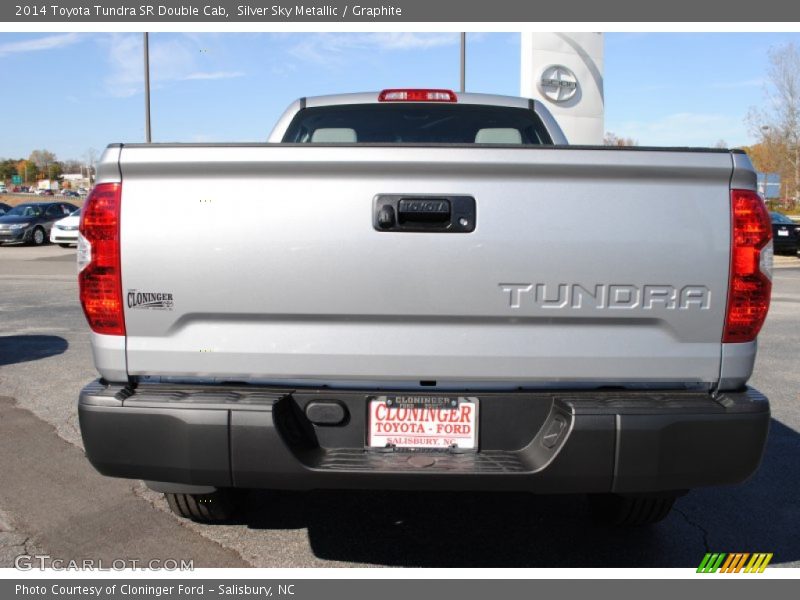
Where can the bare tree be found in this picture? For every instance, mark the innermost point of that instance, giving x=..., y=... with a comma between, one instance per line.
x=721, y=144
x=612, y=139
x=72, y=166
x=90, y=156
x=777, y=124
x=43, y=159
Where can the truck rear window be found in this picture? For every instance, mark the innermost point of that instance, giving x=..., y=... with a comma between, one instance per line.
x=408, y=123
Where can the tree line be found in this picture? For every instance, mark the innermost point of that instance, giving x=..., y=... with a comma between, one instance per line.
x=43, y=164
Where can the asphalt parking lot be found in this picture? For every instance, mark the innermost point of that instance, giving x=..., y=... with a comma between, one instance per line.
x=52, y=501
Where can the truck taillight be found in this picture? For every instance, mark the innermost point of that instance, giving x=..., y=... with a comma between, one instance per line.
x=417, y=96
x=751, y=264
x=99, y=277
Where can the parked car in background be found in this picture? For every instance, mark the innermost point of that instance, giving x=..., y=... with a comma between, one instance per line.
x=65, y=232
x=30, y=223
x=43, y=192
x=785, y=234
x=70, y=194
x=3, y=188
x=4, y=208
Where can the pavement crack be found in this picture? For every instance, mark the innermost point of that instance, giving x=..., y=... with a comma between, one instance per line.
x=696, y=525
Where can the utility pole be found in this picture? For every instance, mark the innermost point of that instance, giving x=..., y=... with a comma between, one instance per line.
x=463, y=62
x=147, y=135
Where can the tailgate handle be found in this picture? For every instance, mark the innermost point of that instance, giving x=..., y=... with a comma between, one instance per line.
x=423, y=210
x=423, y=213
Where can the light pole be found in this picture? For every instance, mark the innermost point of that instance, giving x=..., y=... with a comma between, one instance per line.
x=463, y=62
x=764, y=140
x=147, y=135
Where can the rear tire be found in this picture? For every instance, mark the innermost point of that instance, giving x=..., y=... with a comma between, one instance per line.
x=217, y=507
x=631, y=511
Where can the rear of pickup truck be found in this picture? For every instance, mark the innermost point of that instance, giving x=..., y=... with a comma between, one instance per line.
x=491, y=316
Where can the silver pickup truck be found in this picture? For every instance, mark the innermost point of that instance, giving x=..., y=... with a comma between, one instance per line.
x=417, y=289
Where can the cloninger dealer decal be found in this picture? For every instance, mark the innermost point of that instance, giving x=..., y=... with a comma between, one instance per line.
x=154, y=300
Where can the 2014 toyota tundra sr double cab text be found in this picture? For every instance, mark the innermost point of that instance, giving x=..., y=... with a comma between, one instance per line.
x=417, y=289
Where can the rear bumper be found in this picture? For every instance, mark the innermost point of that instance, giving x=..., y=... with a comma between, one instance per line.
x=785, y=244
x=544, y=442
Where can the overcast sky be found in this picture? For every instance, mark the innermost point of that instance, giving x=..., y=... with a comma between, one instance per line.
x=73, y=91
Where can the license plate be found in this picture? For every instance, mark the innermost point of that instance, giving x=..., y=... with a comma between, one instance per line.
x=431, y=422
x=783, y=233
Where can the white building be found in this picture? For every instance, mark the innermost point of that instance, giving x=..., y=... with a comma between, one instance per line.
x=75, y=180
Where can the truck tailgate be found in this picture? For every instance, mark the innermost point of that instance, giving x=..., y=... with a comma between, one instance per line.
x=585, y=265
